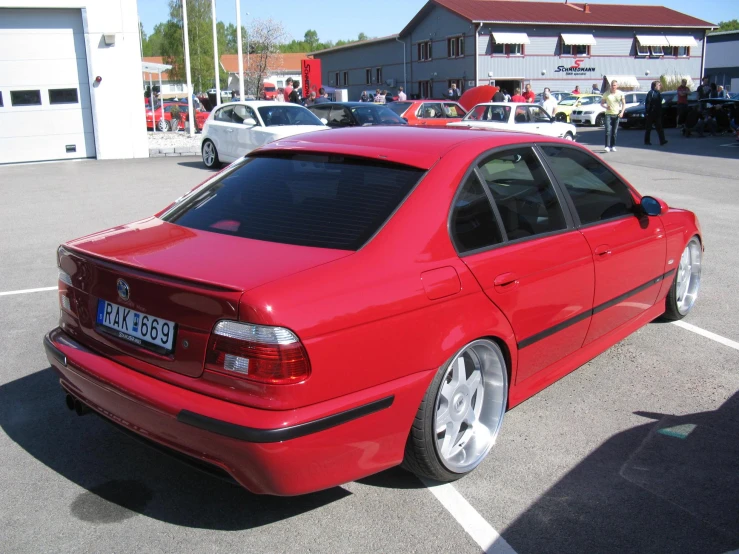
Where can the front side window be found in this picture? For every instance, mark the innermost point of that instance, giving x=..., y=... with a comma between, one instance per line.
x=521, y=115
x=376, y=115
x=340, y=117
x=430, y=110
x=473, y=224
x=524, y=196
x=598, y=195
x=538, y=115
x=323, y=201
x=25, y=97
x=277, y=115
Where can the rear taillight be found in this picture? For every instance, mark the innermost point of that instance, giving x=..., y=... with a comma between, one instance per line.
x=272, y=355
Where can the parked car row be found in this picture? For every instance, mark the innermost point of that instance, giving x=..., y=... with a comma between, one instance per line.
x=162, y=117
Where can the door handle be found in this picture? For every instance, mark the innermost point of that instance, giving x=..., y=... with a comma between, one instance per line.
x=506, y=280
x=229, y=130
x=603, y=250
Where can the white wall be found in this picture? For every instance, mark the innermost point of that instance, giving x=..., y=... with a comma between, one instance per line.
x=722, y=54
x=117, y=105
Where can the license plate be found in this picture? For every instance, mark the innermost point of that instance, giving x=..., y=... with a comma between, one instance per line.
x=623, y=120
x=142, y=329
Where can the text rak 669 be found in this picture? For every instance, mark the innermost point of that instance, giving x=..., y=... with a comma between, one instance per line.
x=142, y=329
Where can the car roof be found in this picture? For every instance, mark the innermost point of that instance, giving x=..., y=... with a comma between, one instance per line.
x=415, y=146
x=347, y=104
x=259, y=103
x=508, y=104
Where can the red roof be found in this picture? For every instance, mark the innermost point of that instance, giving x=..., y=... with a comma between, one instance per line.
x=290, y=62
x=558, y=13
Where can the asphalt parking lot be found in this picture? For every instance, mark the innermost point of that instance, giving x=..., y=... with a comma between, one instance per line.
x=636, y=451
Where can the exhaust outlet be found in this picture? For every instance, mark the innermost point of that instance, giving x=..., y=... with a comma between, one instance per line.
x=69, y=401
x=80, y=408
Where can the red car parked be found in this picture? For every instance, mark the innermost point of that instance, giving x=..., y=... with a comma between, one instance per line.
x=432, y=113
x=336, y=304
x=164, y=117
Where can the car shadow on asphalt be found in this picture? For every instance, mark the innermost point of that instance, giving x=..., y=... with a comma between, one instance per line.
x=122, y=477
x=198, y=165
x=667, y=486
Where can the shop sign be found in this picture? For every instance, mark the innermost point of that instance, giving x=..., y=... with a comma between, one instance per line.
x=575, y=68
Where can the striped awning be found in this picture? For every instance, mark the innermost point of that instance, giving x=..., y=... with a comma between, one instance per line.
x=578, y=39
x=652, y=40
x=511, y=38
x=681, y=41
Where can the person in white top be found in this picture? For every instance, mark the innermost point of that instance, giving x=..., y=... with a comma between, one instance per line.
x=550, y=102
x=401, y=95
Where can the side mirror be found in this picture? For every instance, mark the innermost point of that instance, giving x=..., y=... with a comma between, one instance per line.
x=650, y=205
x=324, y=121
x=250, y=121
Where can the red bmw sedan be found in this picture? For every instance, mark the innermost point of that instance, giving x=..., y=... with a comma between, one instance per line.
x=336, y=304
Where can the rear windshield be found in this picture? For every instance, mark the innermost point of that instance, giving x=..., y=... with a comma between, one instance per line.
x=399, y=107
x=325, y=201
x=372, y=114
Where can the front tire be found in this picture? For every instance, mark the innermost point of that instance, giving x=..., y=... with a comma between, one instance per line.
x=569, y=136
x=210, y=155
x=686, y=284
x=562, y=117
x=600, y=120
x=460, y=415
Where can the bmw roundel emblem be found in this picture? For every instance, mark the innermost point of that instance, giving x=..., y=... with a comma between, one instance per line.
x=123, y=290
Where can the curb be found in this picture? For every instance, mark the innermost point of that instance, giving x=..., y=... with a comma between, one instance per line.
x=174, y=151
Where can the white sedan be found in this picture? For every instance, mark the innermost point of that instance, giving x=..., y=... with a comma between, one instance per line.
x=511, y=116
x=235, y=129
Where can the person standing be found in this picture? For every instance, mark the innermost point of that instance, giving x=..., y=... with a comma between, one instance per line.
x=388, y=96
x=704, y=90
x=311, y=99
x=682, y=102
x=322, y=97
x=517, y=96
x=595, y=89
x=401, y=95
x=499, y=96
x=614, y=103
x=453, y=93
x=721, y=92
x=577, y=90
x=288, y=89
x=295, y=95
x=529, y=94
x=379, y=97
x=653, y=112
x=550, y=102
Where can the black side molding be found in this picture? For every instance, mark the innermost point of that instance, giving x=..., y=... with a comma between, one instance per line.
x=250, y=434
x=53, y=351
x=588, y=313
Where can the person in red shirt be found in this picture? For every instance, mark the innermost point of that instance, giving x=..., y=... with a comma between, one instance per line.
x=529, y=94
x=682, y=102
x=577, y=90
x=517, y=96
x=288, y=89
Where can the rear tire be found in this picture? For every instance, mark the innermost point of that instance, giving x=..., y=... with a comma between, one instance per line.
x=210, y=155
x=569, y=136
x=686, y=284
x=460, y=415
x=163, y=125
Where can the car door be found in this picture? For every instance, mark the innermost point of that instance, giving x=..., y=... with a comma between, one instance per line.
x=220, y=132
x=541, y=123
x=247, y=136
x=512, y=229
x=453, y=112
x=628, y=248
x=340, y=116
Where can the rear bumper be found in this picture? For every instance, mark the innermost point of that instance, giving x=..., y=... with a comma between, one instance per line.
x=269, y=452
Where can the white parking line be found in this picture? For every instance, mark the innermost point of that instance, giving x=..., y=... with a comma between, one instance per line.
x=713, y=336
x=26, y=291
x=471, y=521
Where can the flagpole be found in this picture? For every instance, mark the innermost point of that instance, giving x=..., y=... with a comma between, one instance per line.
x=240, y=50
x=215, y=53
x=191, y=115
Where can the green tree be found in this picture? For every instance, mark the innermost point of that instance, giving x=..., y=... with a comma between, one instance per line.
x=362, y=36
x=311, y=39
x=732, y=25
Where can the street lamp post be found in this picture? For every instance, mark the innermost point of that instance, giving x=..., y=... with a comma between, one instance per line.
x=187, y=70
x=215, y=52
x=240, y=49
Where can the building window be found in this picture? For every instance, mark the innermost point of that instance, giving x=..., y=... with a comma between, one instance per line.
x=280, y=84
x=63, y=96
x=455, y=47
x=378, y=75
x=337, y=79
x=368, y=76
x=425, y=89
x=345, y=79
x=641, y=50
x=1, y=99
x=682, y=51
x=25, y=97
x=498, y=49
x=515, y=49
x=575, y=49
x=657, y=50
x=424, y=51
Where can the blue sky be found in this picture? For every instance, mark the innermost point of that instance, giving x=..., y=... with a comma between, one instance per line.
x=335, y=20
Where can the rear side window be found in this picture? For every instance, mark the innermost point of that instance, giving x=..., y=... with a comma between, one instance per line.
x=525, y=198
x=597, y=193
x=325, y=201
x=473, y=222
x=225, y=115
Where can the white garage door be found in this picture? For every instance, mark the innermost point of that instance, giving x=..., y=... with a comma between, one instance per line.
x=44, y=88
